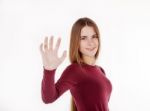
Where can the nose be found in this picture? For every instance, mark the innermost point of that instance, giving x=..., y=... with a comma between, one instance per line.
x=90, y=42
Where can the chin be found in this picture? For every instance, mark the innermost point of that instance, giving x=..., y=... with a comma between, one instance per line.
x=90, y=55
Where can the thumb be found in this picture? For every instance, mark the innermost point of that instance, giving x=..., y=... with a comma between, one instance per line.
x=41, y=48
x=63, y=56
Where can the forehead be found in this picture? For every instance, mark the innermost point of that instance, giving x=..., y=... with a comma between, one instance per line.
x=87, y=31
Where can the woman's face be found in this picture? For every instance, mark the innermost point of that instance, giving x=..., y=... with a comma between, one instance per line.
x=88, y=42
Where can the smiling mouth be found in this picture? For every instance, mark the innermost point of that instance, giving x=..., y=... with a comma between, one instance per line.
x=90, y=49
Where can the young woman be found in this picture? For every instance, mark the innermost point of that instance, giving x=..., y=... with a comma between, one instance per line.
x=87, y=82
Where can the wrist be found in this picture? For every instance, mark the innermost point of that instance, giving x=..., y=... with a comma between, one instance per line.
x=48, y=68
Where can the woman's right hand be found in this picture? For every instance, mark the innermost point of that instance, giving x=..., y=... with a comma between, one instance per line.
x=50, y=55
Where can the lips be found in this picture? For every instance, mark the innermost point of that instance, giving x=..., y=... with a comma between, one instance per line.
x=90, y=49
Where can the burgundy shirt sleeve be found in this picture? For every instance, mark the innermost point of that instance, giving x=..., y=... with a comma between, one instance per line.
x=51, y=90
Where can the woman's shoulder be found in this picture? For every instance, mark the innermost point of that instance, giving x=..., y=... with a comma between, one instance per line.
x=71, y=70
x=73, y=66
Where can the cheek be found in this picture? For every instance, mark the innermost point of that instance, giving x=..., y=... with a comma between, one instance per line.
x=96, y=42
x=82, y=44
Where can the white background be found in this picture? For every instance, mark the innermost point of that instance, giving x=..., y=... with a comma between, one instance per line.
x=124, y=27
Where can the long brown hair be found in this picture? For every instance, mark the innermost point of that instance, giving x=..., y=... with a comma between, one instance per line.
x=74, y=53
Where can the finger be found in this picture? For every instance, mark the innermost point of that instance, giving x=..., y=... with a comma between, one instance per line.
x=63, y=56
x=51, y=43
x=58, y=44
x=46, y=43
x=41, y=48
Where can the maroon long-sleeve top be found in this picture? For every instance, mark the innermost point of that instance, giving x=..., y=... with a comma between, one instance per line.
x=88, y=85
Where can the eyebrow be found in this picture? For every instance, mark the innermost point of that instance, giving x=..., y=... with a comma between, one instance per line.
x=92, y=35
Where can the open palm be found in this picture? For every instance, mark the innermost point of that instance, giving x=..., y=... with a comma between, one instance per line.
x=50, y=55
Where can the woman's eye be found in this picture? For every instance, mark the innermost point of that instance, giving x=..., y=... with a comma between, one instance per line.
x=83, y=38
x=95, y=36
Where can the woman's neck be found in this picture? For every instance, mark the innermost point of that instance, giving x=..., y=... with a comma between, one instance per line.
x=89, y=60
